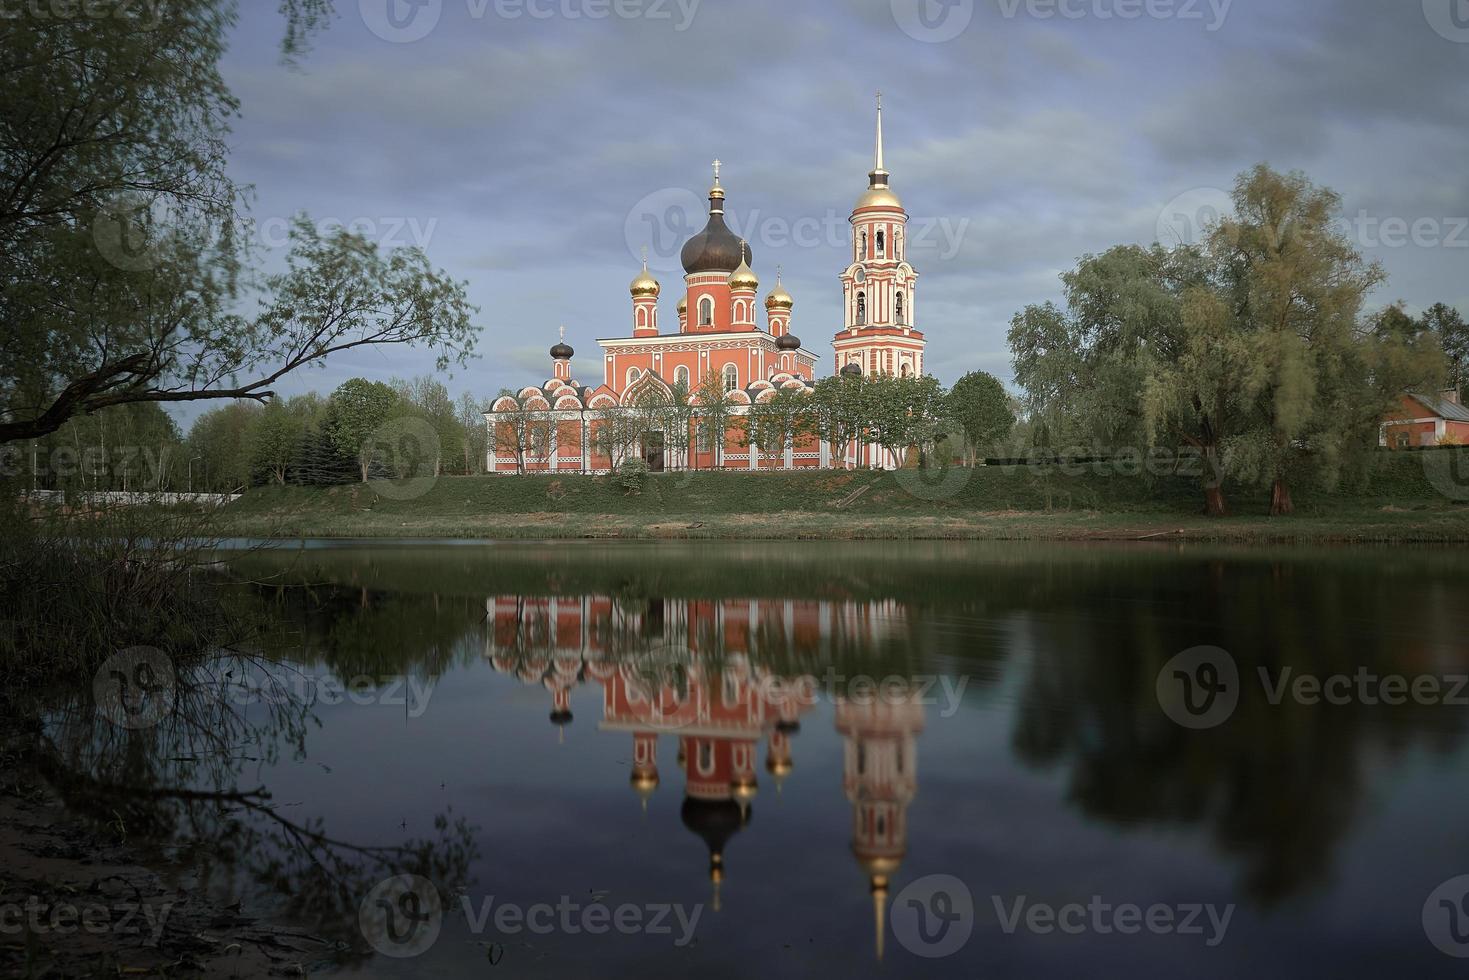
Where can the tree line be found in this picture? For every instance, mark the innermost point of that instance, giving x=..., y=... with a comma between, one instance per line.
x=899, y=414
x=1252, y=348
x=362, y=430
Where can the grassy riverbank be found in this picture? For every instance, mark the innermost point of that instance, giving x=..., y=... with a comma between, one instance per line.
x=1396, y=502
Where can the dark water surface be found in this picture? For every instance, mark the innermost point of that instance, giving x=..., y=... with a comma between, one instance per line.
x=691, y=727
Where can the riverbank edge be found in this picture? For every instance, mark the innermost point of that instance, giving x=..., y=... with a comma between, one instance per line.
x=1387, y=526
x=55, y=860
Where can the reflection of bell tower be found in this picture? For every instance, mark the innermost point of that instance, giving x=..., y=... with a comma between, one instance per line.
x=880, y=776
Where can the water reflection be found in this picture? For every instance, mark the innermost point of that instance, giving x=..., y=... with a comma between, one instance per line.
x=724, y=682
x=698, y=671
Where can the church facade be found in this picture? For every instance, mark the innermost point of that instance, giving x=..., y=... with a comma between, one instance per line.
x=554, y=427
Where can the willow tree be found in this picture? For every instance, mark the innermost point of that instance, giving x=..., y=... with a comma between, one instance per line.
x=118, y=218
x=1105, y=371
x=1289, y=296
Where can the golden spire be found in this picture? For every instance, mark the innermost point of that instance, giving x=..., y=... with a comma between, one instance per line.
x=879, y=909
x=877, y=164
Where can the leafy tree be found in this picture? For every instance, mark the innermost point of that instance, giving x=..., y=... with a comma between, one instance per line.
x=476, y=438
x=714, y=412
x=1452, y=332
x=1290, y=295
x=275, y=440
x=521, y=431
x=980, y=405
x=777, y=423
x=900, y=413
x=357, y=411
x=837, y=413
x=218, y=447
x=116, y=231
x=1103, y=372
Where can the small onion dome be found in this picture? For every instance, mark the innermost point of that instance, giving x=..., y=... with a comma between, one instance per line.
x=562, y=351
x=683, y=304
x=644, y=284
x=788, y=341
x=744, y=277
x=788, y=727
x=852, y=371
x=879, y=868
x=779, y=299
x=744, y=789
x=561, y=718
x=644, y=783
x=779, y=767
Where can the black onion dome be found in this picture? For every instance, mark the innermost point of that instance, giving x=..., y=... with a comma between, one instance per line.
x=562, y=351
x=852, y=371
x=715, y=249
x=788, y=341
x=714, y=820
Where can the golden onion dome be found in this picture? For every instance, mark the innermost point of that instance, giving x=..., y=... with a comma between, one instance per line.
x=744, y=790
x=779, y=299
x=779, y=767
x=644, y=783
x=878, y=197
x=880, y=867
x=644, y=284
x=683, y=305
x=744, y=277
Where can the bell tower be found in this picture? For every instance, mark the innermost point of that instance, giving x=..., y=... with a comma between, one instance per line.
x=878, y=332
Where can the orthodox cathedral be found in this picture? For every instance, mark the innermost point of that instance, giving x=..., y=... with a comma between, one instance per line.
x=718, y=335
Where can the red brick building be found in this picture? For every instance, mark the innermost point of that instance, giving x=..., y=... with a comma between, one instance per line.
x=718, y=335
x=1427, y=420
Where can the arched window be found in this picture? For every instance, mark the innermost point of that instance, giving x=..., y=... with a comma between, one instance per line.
x=706, y=312
x=898, y=306
x=642, y=316
x=863, y=254
x=861, y=309
x=681, y=377
x=880, y=243
x=907, y=369
x=632, y=375
x=731, y=378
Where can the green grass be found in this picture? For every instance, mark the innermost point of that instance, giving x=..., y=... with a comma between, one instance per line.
x=1395, y=502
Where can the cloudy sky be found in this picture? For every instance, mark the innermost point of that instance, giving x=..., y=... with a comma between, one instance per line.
x=533, y=147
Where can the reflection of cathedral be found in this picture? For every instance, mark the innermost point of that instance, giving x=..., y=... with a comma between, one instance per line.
x=693, y=670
